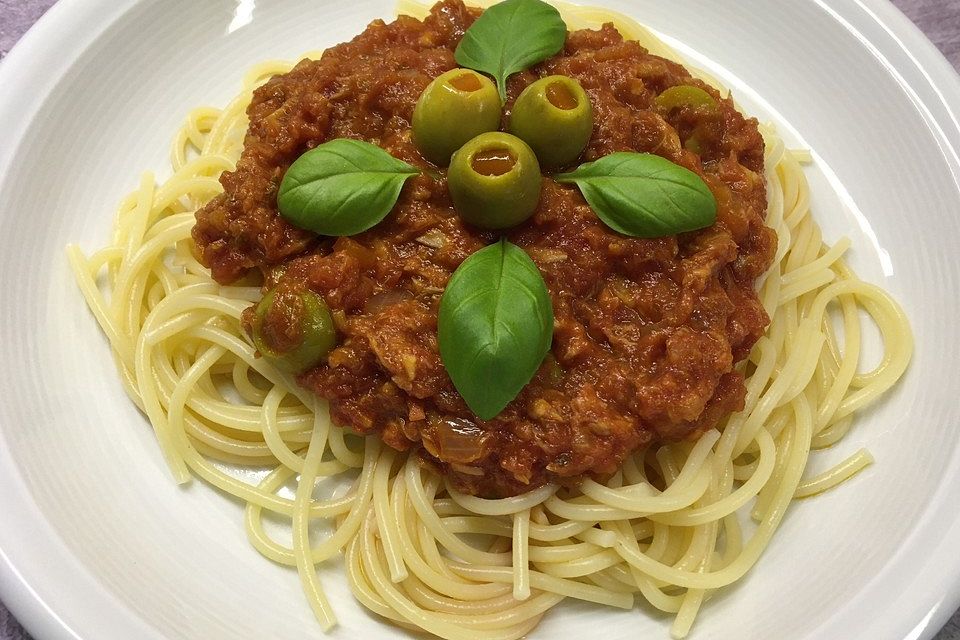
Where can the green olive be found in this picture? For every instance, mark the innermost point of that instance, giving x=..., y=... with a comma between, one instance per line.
x=684, y=96
x=455, y=107
x=554, y=116
x=494, y=181
x=294, y=329
x=691, y=97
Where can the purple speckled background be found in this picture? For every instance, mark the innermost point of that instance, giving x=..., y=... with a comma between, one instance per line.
x=939, y=19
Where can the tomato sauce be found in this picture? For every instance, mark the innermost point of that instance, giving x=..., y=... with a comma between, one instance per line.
x=647, y=331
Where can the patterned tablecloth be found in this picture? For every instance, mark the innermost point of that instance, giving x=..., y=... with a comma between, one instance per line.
x=939, y=19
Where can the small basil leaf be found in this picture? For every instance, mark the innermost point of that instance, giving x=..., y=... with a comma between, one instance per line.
x=510, y=37
x=495, y=326
x=342, y=187
x=644, y=195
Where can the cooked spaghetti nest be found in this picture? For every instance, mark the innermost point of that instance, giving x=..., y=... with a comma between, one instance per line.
x=667, y=527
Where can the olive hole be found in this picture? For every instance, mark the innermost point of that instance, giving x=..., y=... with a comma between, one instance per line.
x=561, y=97
x=467, y=82
x=493, y=162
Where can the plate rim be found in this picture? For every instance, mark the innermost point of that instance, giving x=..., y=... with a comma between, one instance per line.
x=37, y=63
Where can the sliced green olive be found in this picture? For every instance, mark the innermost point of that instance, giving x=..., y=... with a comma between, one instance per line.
x=554, y=116
x=293, y=329
x=494, y=181
x=553, y=370
x=695, y=143
x=455, y=107
x=684, y=96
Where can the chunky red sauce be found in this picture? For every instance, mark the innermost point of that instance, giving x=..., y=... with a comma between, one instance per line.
x=647, y=331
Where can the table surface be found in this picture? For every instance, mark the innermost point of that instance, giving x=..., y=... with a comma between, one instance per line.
x=939, y=19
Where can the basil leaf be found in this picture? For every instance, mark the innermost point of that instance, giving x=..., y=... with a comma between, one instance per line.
x=510, y=37
x=342, y=187
x=495, y=326
x=644, y=195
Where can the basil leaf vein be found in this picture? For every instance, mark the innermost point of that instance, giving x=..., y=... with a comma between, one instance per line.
x=644, y=195
x=495, y=326
x=510, y=37
x=342, y=187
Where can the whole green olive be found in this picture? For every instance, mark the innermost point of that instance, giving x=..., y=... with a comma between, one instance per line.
x=690, y=97
x=494, y=181
x=294, y=329
x=455, y=107
x=554, y=116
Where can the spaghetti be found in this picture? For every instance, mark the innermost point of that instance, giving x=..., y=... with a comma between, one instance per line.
x=667, y=527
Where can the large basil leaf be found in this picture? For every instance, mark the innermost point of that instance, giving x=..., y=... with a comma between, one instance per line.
x=644, y=195
x=511, y=36
x=342, y=187
x=495, y=326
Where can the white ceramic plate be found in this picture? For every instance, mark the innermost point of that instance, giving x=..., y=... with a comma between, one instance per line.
x=97, y=542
